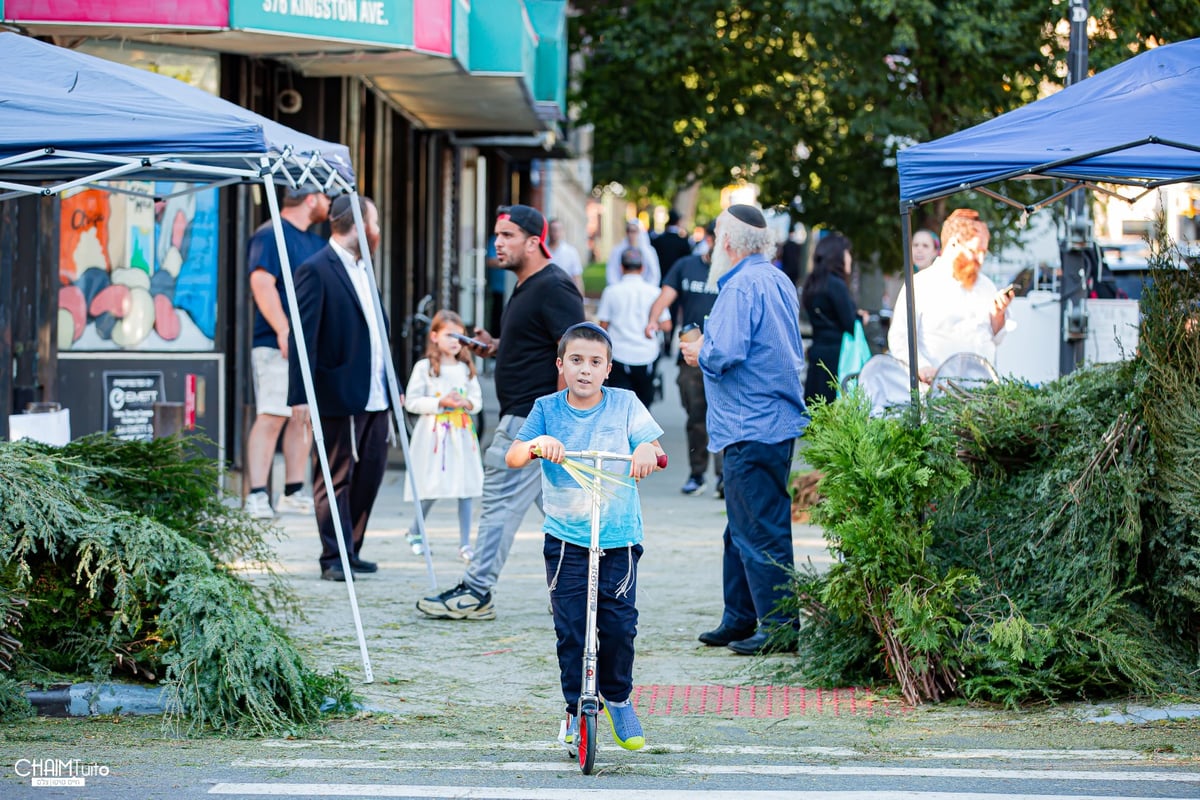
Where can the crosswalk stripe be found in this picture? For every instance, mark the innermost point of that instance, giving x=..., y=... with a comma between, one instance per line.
x=1164, y=776
x=747, y=750
x=497, y=793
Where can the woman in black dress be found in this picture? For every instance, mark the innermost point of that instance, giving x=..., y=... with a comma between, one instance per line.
x=831, y=311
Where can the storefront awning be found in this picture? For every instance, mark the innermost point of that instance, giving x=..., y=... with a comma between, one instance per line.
x=497, y=66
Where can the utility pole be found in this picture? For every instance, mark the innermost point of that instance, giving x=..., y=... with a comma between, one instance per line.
x=1079, y=254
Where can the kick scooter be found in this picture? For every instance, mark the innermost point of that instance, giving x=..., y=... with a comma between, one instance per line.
x=588, y=709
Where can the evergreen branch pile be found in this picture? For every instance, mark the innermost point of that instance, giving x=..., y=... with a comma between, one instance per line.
x=1066, y=566
x=879, y=477
x=88, y=538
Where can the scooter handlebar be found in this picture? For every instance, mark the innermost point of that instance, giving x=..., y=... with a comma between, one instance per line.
x=661, y=463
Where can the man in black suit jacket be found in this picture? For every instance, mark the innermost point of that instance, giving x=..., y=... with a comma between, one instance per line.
x=345, y=351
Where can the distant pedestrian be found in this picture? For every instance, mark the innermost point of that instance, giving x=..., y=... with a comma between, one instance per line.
x=302, y=208
x=542, y=306
x=636, y=238
x=925, y=248
x=589, y=416
x=346, y=352
x=622, y=312
x=687, y=283
x=671, y=244
x=831, y=311
x=444, y=390
x=753, y=361
x=564, y=254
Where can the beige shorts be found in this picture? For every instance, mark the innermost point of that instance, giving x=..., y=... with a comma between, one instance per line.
x=270, y=382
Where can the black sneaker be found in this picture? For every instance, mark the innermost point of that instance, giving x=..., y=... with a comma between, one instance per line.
x=461, y=602
x=719, y=492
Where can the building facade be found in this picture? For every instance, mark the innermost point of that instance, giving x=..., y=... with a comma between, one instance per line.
x=449, y=108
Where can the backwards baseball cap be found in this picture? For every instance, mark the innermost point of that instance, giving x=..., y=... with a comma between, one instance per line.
x=303, y=190
x=529, y=220
x=748, y=214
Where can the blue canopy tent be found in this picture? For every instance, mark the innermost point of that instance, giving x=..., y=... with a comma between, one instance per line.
x=1132, y=125
x=68, y=119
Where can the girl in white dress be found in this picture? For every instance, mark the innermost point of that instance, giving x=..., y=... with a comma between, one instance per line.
x=444, y=391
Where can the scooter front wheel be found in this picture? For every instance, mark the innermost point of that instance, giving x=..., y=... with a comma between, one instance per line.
x=587, y=742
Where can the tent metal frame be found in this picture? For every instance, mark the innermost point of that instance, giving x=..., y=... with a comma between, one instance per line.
x=198, y=172
x=1050, y=170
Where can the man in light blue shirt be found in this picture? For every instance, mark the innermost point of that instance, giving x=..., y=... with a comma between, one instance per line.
x=752, y=360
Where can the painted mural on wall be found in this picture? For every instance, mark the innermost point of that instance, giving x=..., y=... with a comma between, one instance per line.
x=136, y=273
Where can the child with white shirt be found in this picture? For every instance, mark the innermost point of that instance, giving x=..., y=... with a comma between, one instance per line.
x=444, y=390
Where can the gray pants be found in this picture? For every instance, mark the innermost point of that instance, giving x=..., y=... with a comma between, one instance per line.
x=507, y=495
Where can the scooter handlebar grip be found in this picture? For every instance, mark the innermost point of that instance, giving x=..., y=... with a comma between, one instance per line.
x=662, y=461
x=533, y=452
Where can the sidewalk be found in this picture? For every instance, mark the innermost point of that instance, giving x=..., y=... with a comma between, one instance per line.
x=422, y=665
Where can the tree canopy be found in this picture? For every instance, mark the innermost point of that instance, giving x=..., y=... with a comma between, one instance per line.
x=811, y=99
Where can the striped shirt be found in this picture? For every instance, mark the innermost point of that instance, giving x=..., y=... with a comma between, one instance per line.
x=753, y=358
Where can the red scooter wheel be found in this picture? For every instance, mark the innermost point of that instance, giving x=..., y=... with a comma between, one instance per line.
x=587, y=742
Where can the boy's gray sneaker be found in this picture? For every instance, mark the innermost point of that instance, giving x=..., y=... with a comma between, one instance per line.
x=461, y=602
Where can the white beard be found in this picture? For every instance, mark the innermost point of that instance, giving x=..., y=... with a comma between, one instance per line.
x=721, y=263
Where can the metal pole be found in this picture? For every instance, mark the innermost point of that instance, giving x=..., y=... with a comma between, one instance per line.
x=310, y=394
x=1075, y=261
x=910, y=305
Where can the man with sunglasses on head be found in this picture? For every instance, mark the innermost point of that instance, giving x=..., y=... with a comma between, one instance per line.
x=543, y=305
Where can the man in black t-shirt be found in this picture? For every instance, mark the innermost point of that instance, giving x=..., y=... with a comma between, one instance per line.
x=687, y=282
x=544, y=303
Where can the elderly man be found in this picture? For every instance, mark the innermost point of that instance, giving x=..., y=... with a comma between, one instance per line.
x=752, y=360
x=958, y=307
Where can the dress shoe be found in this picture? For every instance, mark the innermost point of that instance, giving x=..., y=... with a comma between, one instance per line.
x=761, y=644
x=357, y=565
x=724, y=634
x=333, y=574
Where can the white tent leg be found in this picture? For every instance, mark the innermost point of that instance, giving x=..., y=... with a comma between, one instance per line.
x=315, y=415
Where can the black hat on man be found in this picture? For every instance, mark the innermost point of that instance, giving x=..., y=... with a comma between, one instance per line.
x=530, y=220
x=748, y=214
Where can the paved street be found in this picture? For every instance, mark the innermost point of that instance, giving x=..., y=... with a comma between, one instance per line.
x=470, y=709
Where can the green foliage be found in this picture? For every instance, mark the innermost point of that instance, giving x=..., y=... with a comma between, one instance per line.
x=1065, y=567
x=1169, y=399
x=880, y=476
x=249, y=688
x=812, y=99
x=88, y=538
x=14, y=707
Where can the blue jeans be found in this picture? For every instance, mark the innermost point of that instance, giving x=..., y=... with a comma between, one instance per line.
x=507, y=495
x=616, y=617
x=758, y=536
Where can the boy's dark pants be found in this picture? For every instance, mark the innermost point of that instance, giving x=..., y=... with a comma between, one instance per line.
x=616, y=617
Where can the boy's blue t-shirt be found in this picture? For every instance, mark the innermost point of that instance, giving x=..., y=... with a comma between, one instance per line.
x=617, y=424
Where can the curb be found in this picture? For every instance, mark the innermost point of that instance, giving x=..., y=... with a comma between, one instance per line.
x=90, y=699
x=93, y=700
